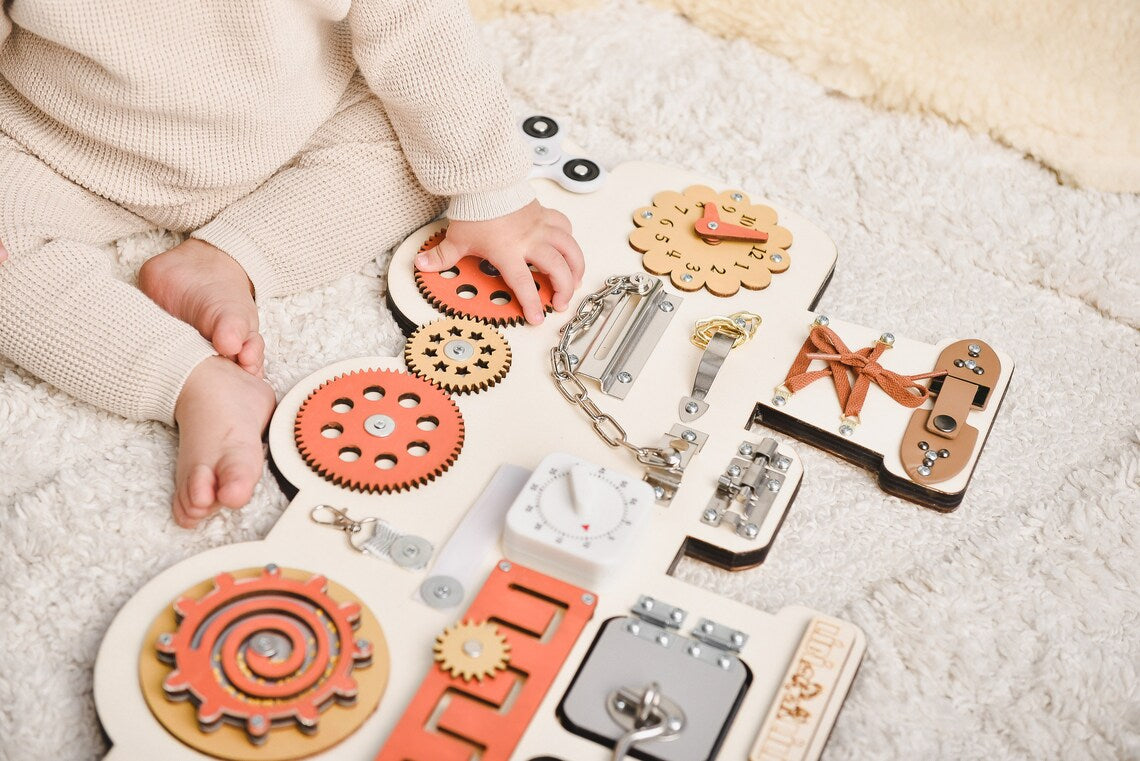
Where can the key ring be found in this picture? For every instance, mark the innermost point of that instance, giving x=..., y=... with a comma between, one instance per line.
x=341, y=520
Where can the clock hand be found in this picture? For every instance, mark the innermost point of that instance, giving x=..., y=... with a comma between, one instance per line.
x=710, y=226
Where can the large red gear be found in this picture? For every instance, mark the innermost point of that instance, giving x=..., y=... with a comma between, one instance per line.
x=474, y=288
x=379, y=430
x=263, y=651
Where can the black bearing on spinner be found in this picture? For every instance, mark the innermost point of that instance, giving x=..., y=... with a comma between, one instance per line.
x=540, y=127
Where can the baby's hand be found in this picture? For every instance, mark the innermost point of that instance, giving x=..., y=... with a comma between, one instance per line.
x=533, y=234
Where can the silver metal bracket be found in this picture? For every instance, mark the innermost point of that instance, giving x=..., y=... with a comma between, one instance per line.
x=719, y=636
x=615, y=350
x=686, y=442
x=694, y=405
x=658, y=612
x=747, y=489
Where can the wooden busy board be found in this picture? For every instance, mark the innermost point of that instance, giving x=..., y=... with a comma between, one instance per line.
x=475, y=623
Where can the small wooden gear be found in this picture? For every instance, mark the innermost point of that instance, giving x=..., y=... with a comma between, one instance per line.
x=705, y=239
x=379, y=430
x=266, y=663
x=474, y=288
x=459, y=354
x=470, y=650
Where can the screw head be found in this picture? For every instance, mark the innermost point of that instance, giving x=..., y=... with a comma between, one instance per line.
x=737, y=197
x=541, y=150
x=724, y=662
x=663, y=640
x=442, y=591
x=677, y=616
x=665, y=306
x=686, y=278
x=707, y=627
x=974, y=350
x=979, y=371
x=713, y=225
x=782, y=463
x=504, y=565
x=694, y=650
x=691, y=407
x=773, y=485
x=472, y=648
x=777, y=258
x=733, y=470
x=846, y=430
x=751, y=531
x=689, y=436
x=821, y=319
x=888, y=339
x=624, y=377
x=971, y=364
x=588, y=599
x=737, y=638
x=256, y=721
x=943, y=452
x=923, y=446
x=709, y=515
x=923, y=470
x=573, y=359
x=659, y=492
x=647, y=603
x=647, y=214
x=745, y=449
x=633, y=627
x=779, y=401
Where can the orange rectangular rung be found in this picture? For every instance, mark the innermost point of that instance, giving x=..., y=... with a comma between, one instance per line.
x=522, y=598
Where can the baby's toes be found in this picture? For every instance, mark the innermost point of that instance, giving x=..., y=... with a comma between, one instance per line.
x=236, y=479
x=251, y=358
x=230, y=335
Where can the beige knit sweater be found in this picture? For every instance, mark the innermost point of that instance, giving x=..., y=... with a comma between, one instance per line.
x=156, y=104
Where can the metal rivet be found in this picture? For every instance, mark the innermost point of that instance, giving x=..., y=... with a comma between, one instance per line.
x=978, y=370
x=691, y=407
x=504, y=565
x=745, y=449
x=923, y=470
x=943, y=452
x=971, y=364
x=165, y=639
x=974, y=350
x=689, y=436
x=959, y=363
x=888, y=339
x=624, y=377
x=588, y=599
x=821, y=319
x=945, y=423
x=665, y=306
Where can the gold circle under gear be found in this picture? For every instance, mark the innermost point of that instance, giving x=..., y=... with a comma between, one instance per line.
x=461, y=355
x=379, y=430
x=472, y=650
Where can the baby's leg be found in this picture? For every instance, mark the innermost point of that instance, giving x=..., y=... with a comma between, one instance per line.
x=348, y=196
x=65, y=317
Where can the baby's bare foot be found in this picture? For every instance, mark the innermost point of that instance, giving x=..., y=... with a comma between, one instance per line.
x=204, y=286
x=221, y=413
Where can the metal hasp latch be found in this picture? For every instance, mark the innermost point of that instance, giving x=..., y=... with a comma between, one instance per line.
x=649, y=691
x=694, y=405
x=747, y=488
x=684, y=442
x=621, y=343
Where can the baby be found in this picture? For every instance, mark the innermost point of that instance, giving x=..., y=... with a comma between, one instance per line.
x=292, y=140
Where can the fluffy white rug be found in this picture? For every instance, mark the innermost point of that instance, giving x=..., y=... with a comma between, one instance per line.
x=1007, y=629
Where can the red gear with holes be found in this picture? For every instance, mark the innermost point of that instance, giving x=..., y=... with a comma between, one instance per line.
x=379, y=430
x=474, y=288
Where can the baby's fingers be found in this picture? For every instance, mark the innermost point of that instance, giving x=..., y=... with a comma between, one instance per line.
x=521, y=281
x=439, y=258
x=568, y=248
x=551, y=261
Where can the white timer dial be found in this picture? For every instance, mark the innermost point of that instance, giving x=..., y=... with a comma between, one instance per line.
x=576, y=519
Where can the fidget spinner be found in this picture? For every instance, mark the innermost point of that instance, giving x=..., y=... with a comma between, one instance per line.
x=473, y=288
x=379, y=430
x=471, y=650
x=705, y=239
x=459, y=354
x=264, y=653
x=574, y=173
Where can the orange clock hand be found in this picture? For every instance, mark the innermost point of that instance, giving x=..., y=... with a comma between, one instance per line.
x=710, y=226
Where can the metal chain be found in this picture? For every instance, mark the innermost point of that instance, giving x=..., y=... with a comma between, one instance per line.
x=575, y=392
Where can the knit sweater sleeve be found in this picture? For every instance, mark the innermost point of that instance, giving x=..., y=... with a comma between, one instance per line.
x=447, y=102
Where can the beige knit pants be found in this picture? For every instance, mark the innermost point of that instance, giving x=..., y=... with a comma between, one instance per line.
x=67, y=318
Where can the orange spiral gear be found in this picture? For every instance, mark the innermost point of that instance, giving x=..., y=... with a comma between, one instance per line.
x=379, y=430
x=474, y=288
x=263, y=652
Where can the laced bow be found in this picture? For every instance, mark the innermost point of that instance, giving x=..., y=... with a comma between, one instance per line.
x=824, y=344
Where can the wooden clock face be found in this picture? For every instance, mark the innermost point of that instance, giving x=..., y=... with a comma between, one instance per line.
x=705, y=239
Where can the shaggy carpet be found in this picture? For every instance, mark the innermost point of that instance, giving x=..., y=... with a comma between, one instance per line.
x=1009, y=629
